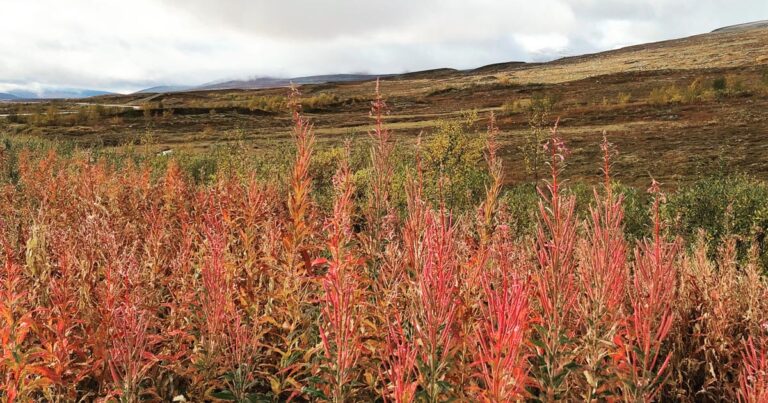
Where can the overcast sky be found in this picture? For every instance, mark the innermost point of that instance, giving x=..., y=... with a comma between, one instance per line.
x=128, y=45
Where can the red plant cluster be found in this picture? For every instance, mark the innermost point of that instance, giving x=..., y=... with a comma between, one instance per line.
x=119, y=286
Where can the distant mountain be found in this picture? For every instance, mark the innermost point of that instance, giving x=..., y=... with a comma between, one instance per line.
x=5, y=96
x=50, y=93
x=273, y=82
x=165, y=88
x=23, y=94
x=432, y=73
x=496, y=67
x=741, y=27
x=262, y=82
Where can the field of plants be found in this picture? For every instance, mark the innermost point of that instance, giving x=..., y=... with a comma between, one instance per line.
x=388, y=282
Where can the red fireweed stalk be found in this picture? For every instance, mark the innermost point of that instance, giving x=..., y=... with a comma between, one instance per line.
x=555, y=240
x=396, y=284
x=22, y=371
x=216, y=301
x=299, y=196
x=500, y=333
x=399, y=364
x=753, y=380
x=554, y=280
x=487, y=211
x=342, y=295
x=654, y=280
x=603, y=265
x=130, y=354
x=61, y=332
x=603, y=274
x=131, y=342
x=294, y=286
x=493, y=190
x=242, y=350
x=502, y=324
x=437, y=289
x=413, y=227
x=381, y=155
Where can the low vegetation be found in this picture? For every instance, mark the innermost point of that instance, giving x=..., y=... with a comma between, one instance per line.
x=400, y=276
x=40, y=115
x=697, y=91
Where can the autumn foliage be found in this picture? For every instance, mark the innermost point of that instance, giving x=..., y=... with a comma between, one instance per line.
x=119, y=285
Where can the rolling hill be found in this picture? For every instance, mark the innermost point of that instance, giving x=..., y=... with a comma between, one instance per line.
x=659, y=102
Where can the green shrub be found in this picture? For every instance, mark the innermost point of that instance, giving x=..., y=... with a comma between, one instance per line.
x=693, y=91
x=665, y=95
x=453, y=164
x=722, y=206
x=520, y=202
x=515, y=106
x=623, y=98
x=275, y=104
x=325, y=162
x=720, y=84
x=320, y=101
x=539, y=110
x=636, y=211
x=541, y=102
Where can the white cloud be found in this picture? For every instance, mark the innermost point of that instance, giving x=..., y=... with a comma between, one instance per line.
x=124, y=46
x=542, y=43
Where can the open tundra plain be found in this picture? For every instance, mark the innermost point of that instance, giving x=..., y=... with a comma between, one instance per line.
x=675, y=108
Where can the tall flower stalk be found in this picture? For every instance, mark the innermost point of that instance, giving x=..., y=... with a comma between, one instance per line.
x=603, y=275
x=652, y=298
x=437, y=304
x=501, y=333
x=341, y=303
x=399, y=364
x=555, y=285
x=381, y=163
x=753, y=380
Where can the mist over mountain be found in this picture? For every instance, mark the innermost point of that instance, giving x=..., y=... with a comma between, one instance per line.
x=55, y=93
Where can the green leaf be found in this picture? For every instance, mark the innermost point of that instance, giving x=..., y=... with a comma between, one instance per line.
x=313, y=392
x=224, y=395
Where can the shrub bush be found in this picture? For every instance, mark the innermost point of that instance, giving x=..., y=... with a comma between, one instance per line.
x=274, y=104
x=723, y=207
x=720, y=84
x=664, y=96
x=452, y=155
x=623, y=98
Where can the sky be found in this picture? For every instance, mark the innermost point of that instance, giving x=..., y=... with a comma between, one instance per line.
x=124, y=46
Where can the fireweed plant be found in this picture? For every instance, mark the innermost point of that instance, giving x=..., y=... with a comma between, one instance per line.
x=123, y=284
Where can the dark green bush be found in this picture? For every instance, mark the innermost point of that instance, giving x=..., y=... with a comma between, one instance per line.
x=720, y=84
x=722, y=206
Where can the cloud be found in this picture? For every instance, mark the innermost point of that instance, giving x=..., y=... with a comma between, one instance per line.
x=393, y=20
x=125, y=46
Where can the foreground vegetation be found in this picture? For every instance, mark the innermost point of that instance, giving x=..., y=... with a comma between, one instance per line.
x=400, y=277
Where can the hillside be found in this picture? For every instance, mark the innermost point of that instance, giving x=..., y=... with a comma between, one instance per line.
x=741, y=27
x=660, y=103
